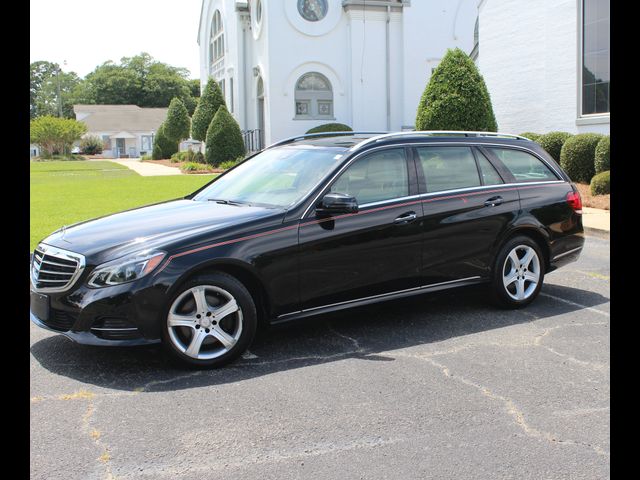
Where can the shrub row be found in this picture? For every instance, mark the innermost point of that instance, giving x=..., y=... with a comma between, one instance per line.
x=601, y=184
x=188, y=156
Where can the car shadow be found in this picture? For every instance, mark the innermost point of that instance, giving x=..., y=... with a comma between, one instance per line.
x=364, y=333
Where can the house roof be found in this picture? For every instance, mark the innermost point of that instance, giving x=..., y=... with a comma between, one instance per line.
x=118, y=118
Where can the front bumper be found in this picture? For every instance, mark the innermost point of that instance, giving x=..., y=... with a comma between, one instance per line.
x=88, y=338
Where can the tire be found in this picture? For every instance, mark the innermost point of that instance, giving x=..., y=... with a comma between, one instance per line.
x=515, y=284
x=210, y=321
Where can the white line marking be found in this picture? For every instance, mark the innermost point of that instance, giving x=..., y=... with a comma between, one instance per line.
x=591, y=309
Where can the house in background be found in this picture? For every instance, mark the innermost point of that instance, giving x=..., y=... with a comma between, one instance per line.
x=126, y=130
x=546, y=63
x=287, y=66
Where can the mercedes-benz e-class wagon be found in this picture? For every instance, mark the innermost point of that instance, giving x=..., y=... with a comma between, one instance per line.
x=310, y=225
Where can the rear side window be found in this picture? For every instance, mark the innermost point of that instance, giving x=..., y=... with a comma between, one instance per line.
x=490, y=175
x=380, y=176
x=448, y=168
x=524, y=166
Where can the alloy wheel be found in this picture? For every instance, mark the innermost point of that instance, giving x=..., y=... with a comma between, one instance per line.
x=521, y=272
x=204, y=322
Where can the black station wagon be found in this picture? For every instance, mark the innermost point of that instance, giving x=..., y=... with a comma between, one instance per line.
x=309, y=225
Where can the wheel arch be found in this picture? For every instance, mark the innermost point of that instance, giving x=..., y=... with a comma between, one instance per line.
x=536, y=234
x=242, y=272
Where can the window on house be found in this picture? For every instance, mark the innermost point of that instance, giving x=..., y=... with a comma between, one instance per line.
x=313, y=97
x=231, y=93
x=595, y=57
x=106, y=142
x=216, y=49
x=146, y=143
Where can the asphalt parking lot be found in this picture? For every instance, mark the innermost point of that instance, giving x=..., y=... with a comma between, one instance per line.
x=437, y=386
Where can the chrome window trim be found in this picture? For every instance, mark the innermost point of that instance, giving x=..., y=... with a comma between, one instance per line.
x=55, y=251
x=422, y=144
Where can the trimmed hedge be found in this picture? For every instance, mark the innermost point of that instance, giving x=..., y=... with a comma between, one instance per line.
x=224, y=139
x=552, y=142
x=456, y=97
x=330, y=127
x=162, y=146
x=177, y=126
x=208, y=105
x=577, y=156
x=188, y=156
x=531, y=136
x=601, y=184
x=602, y=162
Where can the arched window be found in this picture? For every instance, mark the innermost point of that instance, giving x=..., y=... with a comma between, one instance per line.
x=313, y=97
x=216, y=49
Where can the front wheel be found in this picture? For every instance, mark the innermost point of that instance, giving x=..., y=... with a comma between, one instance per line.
x=518, y=273
x=210, y=321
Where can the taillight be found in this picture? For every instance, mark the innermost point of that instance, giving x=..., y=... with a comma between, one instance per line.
x=574, y=201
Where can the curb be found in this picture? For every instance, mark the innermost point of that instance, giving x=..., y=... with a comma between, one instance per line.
x=597, y=232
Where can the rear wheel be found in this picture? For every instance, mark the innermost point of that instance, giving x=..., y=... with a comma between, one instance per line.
x=210, y=321
x=518, y=273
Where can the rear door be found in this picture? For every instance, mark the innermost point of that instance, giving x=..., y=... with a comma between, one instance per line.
x=374, y=251
x=467, y=204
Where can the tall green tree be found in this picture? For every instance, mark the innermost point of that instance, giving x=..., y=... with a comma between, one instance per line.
x=209, y=103
x=47, y=82
x=456, y=97
x=224, y=138
x=177, y=126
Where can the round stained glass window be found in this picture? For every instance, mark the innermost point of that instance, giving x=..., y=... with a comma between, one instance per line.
x=313, y=10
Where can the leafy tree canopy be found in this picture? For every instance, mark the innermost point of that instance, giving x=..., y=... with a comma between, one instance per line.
x=45, y=77
x=55, y=135
x=138, y=80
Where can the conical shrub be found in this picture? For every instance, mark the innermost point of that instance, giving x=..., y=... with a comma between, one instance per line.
x=224, y=139
x=456, y=97
x=208, y=105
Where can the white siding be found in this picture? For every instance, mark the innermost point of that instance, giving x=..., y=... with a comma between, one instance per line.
x=529, y=60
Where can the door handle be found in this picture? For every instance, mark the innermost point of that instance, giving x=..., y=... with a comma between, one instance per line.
x=493, y=201
x=405, y=218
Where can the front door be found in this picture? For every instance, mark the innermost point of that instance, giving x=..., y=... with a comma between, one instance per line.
x=120, y=145
x=466, y=207
x=372, y=252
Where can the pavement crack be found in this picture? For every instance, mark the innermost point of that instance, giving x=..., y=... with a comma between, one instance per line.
x=354, y=342
x=516, y=414
x=96, y=435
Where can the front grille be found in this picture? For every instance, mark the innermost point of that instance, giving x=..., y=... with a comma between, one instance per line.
x=54, y=269
x=115, y=328
x=60, y=320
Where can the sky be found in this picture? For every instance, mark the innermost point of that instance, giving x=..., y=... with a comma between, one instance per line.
x=87, y=33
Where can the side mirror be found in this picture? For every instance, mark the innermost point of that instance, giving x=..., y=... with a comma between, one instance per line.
x=337, y=203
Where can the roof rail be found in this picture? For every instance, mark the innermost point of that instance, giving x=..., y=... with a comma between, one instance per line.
x=436, y=133
x=321, y=134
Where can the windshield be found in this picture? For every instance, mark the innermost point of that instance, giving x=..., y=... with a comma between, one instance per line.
x=279, y=177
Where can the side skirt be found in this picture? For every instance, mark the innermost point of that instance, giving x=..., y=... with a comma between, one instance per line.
x=287, y=317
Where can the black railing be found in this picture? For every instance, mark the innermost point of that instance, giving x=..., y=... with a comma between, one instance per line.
x=252, y=140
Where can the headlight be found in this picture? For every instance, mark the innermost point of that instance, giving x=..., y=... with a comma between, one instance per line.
x=125, y=269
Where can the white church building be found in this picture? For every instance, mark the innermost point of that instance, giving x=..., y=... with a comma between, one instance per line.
x=546, y=63
x=286, y=66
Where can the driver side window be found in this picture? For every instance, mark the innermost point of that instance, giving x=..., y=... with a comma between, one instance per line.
x=379, y=176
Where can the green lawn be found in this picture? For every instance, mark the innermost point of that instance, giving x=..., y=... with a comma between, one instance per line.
x=67, y=192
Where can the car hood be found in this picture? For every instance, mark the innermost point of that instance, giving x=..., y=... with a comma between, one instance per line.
x=161, y=225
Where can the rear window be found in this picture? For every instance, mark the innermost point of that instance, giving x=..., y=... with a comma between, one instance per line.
x=524, y=166
x=448, y=168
